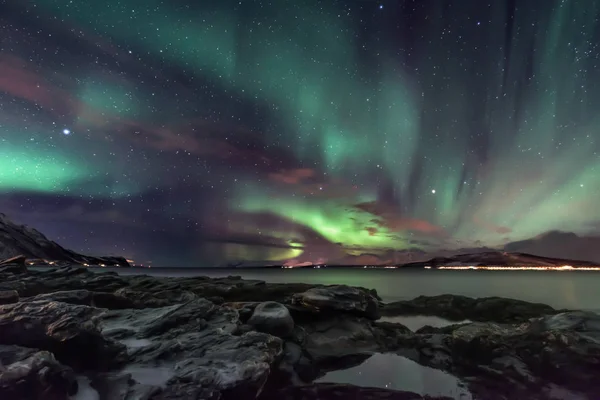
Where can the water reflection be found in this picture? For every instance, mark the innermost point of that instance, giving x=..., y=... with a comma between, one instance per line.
x=418, y=321
x=395, y=372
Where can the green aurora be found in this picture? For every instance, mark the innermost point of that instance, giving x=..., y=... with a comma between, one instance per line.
x=479, y=127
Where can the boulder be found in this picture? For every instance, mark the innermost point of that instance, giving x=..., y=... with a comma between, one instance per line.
x=9, y=296
x=338, y=298
x=31, y=374
x=273, y=318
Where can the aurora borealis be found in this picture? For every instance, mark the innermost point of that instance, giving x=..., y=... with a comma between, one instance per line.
x=210, y=132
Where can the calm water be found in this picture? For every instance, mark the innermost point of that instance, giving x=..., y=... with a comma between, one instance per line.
x=578, y=290
x=395, y=372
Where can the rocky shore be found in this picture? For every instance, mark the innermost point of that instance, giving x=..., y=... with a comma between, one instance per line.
x=73, y=333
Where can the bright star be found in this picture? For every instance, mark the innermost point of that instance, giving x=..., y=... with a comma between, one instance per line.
x=66, y=132
x=433, y=191
x=381, y=6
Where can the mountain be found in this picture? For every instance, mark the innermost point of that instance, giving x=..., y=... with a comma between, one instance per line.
x=18, y=240
x=559, y=244
x=500, y=258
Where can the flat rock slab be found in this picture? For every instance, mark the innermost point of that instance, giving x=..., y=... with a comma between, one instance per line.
x=339, y=298
x=458, y=308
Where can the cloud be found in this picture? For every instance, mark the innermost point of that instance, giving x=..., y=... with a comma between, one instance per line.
x=18, y=80
x=502, y=230
x=372, y=230
x=293, y=176
x=389, y=218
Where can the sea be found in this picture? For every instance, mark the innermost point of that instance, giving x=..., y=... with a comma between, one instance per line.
x=571, y=290
x=559, y=289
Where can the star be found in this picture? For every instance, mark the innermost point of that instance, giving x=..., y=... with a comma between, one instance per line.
x=66, y=132
x=433, y=191
x=381, y=6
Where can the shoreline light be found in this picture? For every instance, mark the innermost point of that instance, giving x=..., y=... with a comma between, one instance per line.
x=520, y=268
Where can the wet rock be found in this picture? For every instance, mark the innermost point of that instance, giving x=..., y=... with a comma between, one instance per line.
x=273, y=318
x=339, y=337
x=296, y=367
x=68, y=331
x=30, y=374
x=392, y=336
x=521, y=359
x=330, y=299
x=458, y=308
x=9, y=297
x=197, y=345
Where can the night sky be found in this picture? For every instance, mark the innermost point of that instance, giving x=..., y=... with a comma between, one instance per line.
x=198, y=133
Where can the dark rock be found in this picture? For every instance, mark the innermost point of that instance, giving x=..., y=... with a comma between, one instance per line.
x=15, y=265
x=333, y=391
x=521, y=360
x=244, y=309
x=273, y=318
x=196, y=343
x=216, y=299
x=120, y=386
x=68, y=331
x=244, y=328
x=153, y=299
x=459, y=308
x=392, y=336
x=328, y=299
x=9, y=297
x=448, y=329
x=206, y=348
x=338, y=337
x=30, y=374
x=189, y=390
x=18, y=260
x=86, y=298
